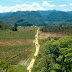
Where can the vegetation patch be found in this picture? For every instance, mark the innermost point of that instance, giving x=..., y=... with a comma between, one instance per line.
x=55, y=55
x=65, y=29
x=16, y=46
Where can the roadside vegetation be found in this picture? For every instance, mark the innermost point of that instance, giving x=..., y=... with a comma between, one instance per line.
x=55, y=54
x=65, y=29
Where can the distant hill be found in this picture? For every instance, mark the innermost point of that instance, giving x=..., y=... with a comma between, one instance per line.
x=45, y=13
x=3, y=26
x=69, y=12
x=20, y=17
x=38, y=18
x=58, y=16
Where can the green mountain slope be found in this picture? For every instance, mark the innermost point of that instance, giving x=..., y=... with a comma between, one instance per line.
x=39, y=18
x=19, y=17
x=58, y=16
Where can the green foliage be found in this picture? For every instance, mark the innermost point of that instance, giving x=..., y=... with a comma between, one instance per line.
x=3, y=65
x=55, y=56
x=17, y=69
x=3, y=26
x=65, y=29
x=14, y=28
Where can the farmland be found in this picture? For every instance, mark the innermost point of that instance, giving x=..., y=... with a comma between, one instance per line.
x=16, y=46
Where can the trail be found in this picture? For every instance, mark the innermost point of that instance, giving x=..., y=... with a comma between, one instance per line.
x=29, y=68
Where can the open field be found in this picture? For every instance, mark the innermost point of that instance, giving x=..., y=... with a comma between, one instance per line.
x=52, y=35
x=55, y=32
x=17, y=46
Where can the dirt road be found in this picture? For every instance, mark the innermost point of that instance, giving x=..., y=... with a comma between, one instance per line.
x=29, y=68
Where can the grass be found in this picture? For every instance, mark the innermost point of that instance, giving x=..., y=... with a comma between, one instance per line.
x=17, y=34
x=17, y=69
x=16, y=46
x=8, y=51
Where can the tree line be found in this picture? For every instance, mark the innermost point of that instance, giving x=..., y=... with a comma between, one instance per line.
x=57, y=29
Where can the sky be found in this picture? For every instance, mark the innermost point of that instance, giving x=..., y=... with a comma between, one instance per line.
x=34, y=5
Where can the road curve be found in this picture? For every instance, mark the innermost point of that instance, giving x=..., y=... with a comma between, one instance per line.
x=29, y=68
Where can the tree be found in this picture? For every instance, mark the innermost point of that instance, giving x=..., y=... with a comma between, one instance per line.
x=15, y=27
x=0, y=26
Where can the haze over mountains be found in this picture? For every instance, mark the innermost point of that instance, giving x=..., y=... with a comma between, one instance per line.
x=38, y=18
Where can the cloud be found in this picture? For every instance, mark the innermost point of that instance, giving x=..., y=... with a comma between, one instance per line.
x=70, y=4
x=63, y=5
x=45, y=3
x=22, y=7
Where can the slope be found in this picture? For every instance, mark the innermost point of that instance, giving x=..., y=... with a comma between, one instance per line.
x=58, y=16
x=20, y=17
x=3, y=26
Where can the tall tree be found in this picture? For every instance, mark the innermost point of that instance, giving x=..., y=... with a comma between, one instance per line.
x=15, y=27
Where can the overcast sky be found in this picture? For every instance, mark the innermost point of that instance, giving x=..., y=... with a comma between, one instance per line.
x=29, y=5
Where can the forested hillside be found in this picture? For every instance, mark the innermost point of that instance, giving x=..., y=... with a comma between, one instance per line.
x=21, y=17
x=38, y=18
x=58, y=16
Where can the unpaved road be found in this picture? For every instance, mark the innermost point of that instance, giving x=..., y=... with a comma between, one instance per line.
x=29, y=68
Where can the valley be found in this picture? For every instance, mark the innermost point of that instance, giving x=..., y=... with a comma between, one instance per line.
x=36, y=41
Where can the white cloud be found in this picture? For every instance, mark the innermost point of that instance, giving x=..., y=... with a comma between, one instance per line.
x=45, y=3
x=70, y=4
x=22, y=7
x=63, y=5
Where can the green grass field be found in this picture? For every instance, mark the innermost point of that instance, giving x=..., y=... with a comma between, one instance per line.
x=17, y=35
x=16, y=46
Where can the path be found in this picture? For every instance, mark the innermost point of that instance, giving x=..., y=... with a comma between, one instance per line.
x=29, y=68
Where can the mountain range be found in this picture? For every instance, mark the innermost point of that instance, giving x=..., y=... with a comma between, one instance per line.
x=38, y=18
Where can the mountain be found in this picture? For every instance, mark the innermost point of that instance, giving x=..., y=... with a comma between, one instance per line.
x=39, y=18
x=69, y=12
x=45, y=13
x=4, y=16
x=58, y=16
x=3, y=26
x=20, y=17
